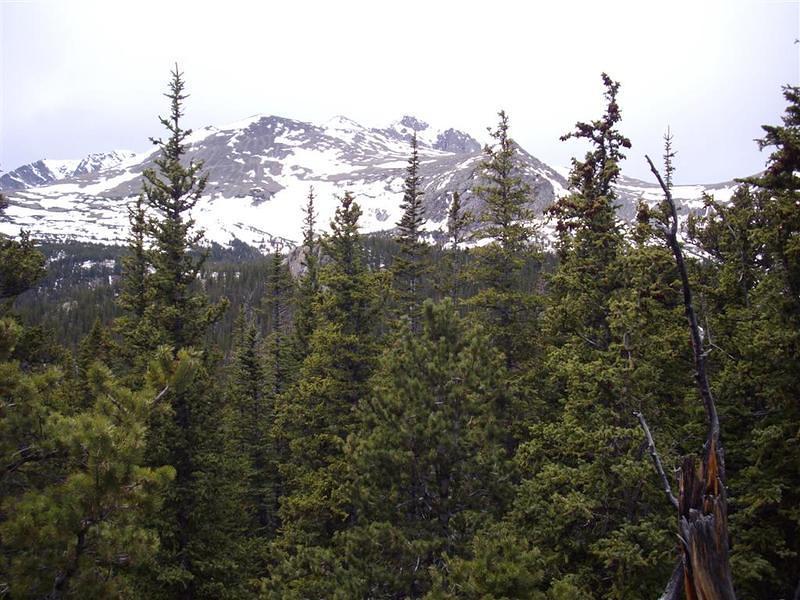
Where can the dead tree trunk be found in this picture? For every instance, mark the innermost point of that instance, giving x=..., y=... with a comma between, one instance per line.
x=702, y=504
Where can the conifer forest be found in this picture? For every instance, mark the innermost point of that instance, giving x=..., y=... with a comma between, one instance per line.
x=610, y=412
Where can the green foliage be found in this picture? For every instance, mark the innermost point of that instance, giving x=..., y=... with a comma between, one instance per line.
x=587, y=500
x=308, y=287
x=316, y=415
x=251, y=403
x=752, y=327
x=507, y=309
x=450, y=278
x=179, y=316
x=74, y=489
x=425, y=462
x=781, y=182
x=199, y=526
x=411, y=263
x=21, y=266
x=484, y=448
x=501, y=565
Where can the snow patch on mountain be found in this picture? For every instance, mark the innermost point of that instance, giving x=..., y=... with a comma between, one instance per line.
x=260, y=170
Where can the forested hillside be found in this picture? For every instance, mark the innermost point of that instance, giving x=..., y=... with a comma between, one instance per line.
x=612, y=413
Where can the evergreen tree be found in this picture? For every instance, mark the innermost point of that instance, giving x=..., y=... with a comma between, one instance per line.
x=781, y=182
x=250, y=415
x=411, y=262
x=507, y=309
x=278, y=298
x=458, y=221
x=96, y=346
x=73, y=486
x=75, y=527
x=308, y=287
x=180, y=315
x=21, y=266
x=135, y=293
x=133, y=296
x=752, y=330
x=317, y=414
x=425, y=459
x=588, y=233
x=602, y=531
x=199, y=526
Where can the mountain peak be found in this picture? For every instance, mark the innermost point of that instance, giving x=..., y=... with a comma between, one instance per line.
x=342, y=123
x=413, y=123
x=48, y=170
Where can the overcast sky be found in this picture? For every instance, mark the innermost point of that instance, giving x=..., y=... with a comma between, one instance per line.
x=82, y=76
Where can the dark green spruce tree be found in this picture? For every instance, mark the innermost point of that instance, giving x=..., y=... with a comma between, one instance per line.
x=502, y=302
x=278, y=300
x=135, y=293
x=587, y=500
x=458, y=222
x=425, y=461
x=317, y=413
x=251, y=414
x=411, y=263
x=199, y=526
x=308, y=287
x=180, y=314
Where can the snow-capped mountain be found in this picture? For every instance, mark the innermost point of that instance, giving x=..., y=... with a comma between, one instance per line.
x=49, y=170
x=260, y=171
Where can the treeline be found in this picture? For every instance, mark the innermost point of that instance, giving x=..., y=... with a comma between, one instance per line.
x=406, y=421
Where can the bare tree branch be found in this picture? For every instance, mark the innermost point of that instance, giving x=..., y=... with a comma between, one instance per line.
x=27, y=455
x=701, y=374
x=702, y=503
x=160, y=395
x=651, y=448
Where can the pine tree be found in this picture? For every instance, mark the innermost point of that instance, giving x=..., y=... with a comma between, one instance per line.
x=135, y=293
x=425, y=459
x=277, y=305
x=74, y=488
x=96, y=346
x=76, y=528
x=133, y=285
x=308, y=288
x=588, y=233
x=611, y=350
x=781, y=181
x=508, y=310
x=316, y=414
x=411, y=263
x=21, y=266
x=250, y=415
x=180, y=315
x=199, y=526
x=253, y=406
x=458, y=221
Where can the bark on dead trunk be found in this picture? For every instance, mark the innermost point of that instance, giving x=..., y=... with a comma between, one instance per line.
x=702, y=504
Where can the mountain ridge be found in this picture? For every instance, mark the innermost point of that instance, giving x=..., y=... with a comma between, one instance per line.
x=260, y=170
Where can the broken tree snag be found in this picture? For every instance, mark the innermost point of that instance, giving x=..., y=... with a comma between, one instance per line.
x=702, y=503
x=703, y=525
x=674, y=587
